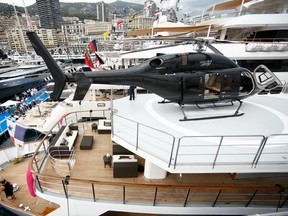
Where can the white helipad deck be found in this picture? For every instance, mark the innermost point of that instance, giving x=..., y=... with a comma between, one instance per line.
x=247, y=143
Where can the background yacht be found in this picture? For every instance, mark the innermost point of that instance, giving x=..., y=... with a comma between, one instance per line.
x=25, y=77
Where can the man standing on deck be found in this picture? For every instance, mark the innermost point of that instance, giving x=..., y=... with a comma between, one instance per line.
x=132, y=92
x=7, y=187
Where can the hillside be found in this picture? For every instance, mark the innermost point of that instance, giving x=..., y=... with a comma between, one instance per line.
x=81, y=10
x=8, y=10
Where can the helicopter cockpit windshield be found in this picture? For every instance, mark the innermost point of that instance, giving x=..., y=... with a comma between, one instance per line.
x=246, y=83
x=265, y=79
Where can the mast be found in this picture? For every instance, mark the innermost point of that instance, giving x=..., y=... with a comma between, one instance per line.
x=29, y=23
x=20, y=30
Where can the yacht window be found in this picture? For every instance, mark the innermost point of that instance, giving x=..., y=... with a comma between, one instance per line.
x=277, y=65
x=32, y=135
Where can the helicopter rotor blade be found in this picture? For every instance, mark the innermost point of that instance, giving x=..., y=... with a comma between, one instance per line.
x=151, y=48
x=200, y=41
x=214, y=49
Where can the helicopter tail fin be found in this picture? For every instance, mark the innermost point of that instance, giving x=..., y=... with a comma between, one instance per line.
x=57, y=74
x=83, y=85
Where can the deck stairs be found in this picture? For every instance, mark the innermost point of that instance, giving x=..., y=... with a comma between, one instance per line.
x=244, y=34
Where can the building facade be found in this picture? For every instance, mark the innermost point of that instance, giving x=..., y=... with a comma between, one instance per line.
x=96, y=28
x=49, y=13
x=141, y=22
x=18, y=41
x=4, y=44
x=101, y=12
x=149, y=8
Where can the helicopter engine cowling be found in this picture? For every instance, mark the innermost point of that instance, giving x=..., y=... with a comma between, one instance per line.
x=156, y=62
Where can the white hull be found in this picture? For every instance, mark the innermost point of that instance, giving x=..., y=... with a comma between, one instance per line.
x=76, y=208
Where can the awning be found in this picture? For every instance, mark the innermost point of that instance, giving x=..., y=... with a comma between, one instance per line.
x=228, y=5
x=186, y=29
x=9, y=103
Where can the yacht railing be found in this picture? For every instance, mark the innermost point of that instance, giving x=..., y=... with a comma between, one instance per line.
x=211, y=151
x=164, y=195
x=274, y=150
x=206, y=17
x=153, y=194
x=64, y=164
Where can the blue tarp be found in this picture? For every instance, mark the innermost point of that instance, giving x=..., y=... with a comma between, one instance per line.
x=40, y=96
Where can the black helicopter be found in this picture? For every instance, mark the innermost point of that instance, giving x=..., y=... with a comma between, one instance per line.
x=183, y=78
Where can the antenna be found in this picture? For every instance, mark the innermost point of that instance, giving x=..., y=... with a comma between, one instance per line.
x=29, y=23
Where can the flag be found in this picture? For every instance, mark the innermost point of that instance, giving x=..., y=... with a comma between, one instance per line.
x=88, y=60
x=157, y=12
x=93, y=45
x=119, y=22
x=132, y=17
x=97, y=63
x=16, y=132
x=63, y=117
x=30, y=182
x=11, y=129
x=105, y=34
x=99, y=59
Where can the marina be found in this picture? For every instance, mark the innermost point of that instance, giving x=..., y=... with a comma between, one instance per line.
x=205, y=135
x=23, y=78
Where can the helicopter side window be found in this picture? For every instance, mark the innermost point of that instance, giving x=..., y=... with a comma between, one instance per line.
x=227, y=82
x=194, y=84
x=214, y=83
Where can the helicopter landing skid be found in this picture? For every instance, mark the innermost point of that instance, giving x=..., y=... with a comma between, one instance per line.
x=235, y=114
x=164, y=101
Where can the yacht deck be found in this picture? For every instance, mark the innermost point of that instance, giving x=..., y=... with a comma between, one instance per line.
x=253, y=142
x=200, y=189
x=89, y=167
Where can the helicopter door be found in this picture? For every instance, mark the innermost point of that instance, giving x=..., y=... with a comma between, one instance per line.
x=229, y=85
x=192, y=88
x=222, y=85
x=266, y=79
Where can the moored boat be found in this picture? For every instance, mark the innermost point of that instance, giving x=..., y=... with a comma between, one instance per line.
x=23, y=78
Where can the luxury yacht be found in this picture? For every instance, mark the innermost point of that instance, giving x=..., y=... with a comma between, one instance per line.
x=249, y=32
x=137, y=157
x=38, y=120
x=249, y=20
x=234, y=20
x=14, y=82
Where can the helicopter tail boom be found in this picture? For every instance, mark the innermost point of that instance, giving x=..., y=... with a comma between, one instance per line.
x=56, y=72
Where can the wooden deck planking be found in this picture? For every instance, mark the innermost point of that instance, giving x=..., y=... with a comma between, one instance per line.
x=89, y=165
x=16, y=173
